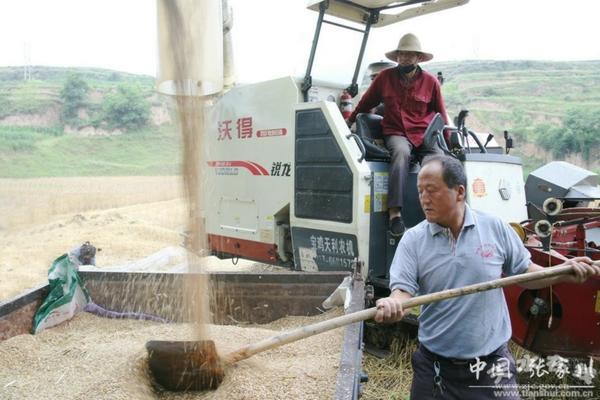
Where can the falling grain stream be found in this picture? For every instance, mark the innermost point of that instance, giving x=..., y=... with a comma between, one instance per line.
x=91, y=357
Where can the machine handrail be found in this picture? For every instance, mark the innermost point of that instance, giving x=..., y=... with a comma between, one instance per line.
x=360, y=145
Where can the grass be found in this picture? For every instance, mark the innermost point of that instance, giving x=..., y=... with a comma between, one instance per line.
x=34, y=152
x=20, y=139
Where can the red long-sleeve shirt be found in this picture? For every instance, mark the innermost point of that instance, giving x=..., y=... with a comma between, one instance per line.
x=409, y=106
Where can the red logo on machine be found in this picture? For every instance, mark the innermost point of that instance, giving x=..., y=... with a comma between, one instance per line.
x=479, y=188
x=243, y=125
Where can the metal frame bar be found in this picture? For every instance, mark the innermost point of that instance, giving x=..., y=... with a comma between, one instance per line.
x=353, y=88
x=307, y=83
x=350, y=371
x=344, y=26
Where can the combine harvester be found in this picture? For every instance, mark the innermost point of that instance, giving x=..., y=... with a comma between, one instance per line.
x=290, y=184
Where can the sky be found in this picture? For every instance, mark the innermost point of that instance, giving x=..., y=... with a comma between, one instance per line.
x=272, y=38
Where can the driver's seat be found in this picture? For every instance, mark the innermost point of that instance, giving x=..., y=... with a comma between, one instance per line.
x=368, y=129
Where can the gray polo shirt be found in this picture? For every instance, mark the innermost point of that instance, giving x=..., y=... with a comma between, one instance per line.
x=428, y=260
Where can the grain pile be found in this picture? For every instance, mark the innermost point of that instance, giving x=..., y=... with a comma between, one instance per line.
x=94, y=358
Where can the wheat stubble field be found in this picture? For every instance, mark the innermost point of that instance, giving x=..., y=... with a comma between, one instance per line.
x=127, y=217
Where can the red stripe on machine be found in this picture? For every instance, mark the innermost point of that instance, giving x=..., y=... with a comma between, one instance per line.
x=257, y=251
x=260, y=168
x=255, y=169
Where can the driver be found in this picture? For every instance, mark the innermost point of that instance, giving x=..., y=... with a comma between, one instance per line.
x=411, y=98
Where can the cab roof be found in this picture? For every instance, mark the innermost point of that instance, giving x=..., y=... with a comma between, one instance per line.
x=388, y=12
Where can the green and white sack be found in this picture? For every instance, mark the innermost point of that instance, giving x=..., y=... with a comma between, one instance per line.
x=66, y=298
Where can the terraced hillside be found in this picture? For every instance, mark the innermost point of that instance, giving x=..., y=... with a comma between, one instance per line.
x=37, y=141
x=552, y=109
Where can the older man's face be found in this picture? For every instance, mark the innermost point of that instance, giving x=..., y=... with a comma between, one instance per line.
x=439, y=203
x=405, y=58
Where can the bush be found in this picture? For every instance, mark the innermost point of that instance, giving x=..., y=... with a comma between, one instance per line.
x=126, y=108
x=73, y=95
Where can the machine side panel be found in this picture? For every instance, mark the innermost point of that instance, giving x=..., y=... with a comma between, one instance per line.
x=330, y=211
x=249, y=137
x=323, y=180
x=495, y=186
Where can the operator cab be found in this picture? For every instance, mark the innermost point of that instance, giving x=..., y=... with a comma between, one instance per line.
x=369, y=14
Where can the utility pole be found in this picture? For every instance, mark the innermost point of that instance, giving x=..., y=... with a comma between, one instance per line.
x=27, y=63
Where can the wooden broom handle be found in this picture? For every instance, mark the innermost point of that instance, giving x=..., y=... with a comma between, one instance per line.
x=323, y=326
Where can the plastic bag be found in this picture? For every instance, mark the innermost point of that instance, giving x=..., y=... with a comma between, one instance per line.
x=66, y=297
x=341, y=296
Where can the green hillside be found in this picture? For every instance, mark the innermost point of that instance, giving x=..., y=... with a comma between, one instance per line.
x=42, y=90
x=46, y=152
x=554, y=107
x=552, y=110
x=40, y=147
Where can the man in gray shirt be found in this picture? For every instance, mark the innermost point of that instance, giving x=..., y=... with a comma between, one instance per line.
x=454, y=247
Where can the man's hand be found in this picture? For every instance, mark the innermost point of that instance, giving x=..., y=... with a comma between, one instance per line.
x=389, y=309
x=583, y=268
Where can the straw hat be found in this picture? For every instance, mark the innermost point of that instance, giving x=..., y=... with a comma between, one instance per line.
x=409, y=42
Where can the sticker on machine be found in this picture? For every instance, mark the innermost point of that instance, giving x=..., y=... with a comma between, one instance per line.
x=380, y=191
x=307, y=259
x=321, y=250
x=598, y=301
x=266, y=235
x=231, y=167
x=478, y=188
x=271, y=132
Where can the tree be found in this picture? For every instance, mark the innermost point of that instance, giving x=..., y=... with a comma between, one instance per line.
x=126, y=108
x=73, y=95
x=579, y=133
x=584, y=126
